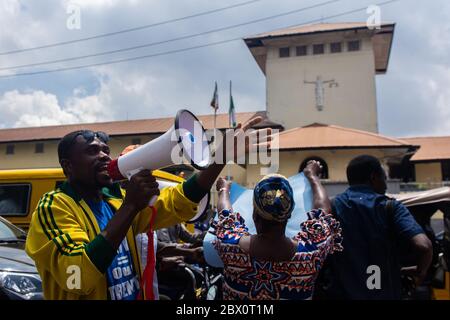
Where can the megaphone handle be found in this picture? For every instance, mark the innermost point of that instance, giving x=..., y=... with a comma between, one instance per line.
x=152, y=201
x=133, y=172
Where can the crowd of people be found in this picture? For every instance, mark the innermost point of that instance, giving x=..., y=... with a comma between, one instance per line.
x=348, y=248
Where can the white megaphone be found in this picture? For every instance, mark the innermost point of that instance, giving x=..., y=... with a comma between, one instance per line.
x=185, y=140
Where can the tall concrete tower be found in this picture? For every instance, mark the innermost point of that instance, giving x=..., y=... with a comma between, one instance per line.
x=323, y=73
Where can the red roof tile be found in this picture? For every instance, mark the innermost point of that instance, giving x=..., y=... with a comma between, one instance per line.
x=320, y=136
x=431, y=148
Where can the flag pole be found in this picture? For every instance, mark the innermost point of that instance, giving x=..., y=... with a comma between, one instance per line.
x=215, y=117
x=215, y=152
x=228, y=165
x=215, y=105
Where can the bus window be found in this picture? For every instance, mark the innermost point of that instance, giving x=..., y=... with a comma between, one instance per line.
x=14, y=199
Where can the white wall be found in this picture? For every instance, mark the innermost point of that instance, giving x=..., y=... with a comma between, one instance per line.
x=292, y=103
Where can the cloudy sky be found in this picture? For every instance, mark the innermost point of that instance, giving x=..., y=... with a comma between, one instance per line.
x=413, y=97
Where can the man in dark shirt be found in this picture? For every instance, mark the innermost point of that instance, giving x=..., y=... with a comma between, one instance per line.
x=372, y=236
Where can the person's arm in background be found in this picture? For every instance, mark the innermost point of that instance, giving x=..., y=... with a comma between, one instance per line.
x=320, y=198
x=170, y=263
x=223, y=201
x=326, y=224
x=424, y=250
x=226, y=231
x=409, y=230
x=172, y=249
x=188, y=237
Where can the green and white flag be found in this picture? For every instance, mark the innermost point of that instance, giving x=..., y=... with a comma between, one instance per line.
x=232, y=111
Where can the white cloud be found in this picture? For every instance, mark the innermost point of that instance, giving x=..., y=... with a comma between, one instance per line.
x=18, y=29
x=119, y=96
x=35, y=108
x=9, y=7
x=126, y=94
x=413, y=97
x=439, y=95
x=38, y=108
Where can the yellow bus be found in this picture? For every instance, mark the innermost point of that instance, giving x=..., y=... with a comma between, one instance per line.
x=21, y=189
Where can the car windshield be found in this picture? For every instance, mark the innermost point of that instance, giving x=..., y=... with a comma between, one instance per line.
x=8, y=232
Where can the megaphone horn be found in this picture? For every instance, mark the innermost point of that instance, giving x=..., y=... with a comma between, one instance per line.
x=187, y=136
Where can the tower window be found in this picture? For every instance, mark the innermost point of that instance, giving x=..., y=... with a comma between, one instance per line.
x=354, y=45
x=9, y=149
x=318, y=49
x=39, y=148
x=285, y=52
x=335, y=47
x=302, y=51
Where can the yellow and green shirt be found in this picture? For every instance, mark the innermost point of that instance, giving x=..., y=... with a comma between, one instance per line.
x=72, y=256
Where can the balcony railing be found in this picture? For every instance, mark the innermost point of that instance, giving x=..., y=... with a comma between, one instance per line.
x=422, y=186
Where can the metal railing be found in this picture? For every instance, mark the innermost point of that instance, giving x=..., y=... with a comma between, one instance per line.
x=422, y=186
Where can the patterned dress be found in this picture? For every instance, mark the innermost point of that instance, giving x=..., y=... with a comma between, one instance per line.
x=249, y=278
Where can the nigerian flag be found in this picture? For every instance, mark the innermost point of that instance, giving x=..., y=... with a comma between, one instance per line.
x=232, y=111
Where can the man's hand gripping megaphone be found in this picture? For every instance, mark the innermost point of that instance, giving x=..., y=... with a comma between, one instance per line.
x=142, y=187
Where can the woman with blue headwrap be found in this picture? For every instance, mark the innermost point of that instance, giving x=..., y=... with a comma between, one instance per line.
x=269, y=265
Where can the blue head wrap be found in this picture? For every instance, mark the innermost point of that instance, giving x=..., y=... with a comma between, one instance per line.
x=273, y=198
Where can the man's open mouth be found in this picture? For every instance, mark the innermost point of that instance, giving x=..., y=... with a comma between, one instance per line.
x=102, y=168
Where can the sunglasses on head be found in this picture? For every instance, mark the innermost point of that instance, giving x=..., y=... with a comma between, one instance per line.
x=89, y=136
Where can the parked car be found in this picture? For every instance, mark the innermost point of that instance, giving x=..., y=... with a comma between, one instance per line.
x=19, y=279
x=423, y=205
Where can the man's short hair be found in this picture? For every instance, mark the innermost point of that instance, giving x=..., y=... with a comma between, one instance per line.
x=360, y=169
x=69, y=140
